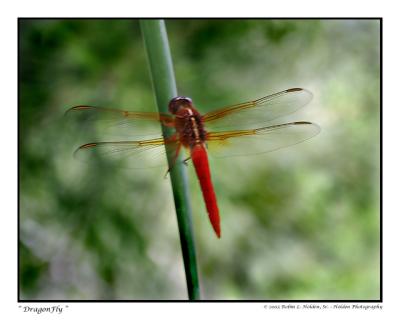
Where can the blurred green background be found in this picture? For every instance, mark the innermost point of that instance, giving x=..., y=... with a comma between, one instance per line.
x=298, y=223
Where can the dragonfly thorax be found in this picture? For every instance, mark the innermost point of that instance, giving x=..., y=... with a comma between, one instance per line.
x=189, y=126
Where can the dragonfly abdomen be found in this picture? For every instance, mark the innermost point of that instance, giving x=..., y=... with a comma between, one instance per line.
x=200, y=161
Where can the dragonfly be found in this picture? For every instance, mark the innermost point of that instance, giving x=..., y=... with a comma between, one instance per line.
x=237, y=130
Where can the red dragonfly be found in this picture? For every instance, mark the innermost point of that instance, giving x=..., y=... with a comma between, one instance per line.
x=240, y=129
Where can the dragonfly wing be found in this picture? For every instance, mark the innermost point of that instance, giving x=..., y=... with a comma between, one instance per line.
x=129, y=154
x=261, y=140
x=116, y=124
x=258, y=112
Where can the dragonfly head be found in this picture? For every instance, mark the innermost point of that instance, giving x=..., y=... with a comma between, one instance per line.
x=179, y=102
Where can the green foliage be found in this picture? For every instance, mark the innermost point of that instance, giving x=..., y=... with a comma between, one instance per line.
x=299, y=223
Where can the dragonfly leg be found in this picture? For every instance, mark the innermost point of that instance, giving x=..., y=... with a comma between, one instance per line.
x=178, y=148
x=185, y=161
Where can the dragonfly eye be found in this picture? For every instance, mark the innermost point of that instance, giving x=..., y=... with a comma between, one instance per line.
x=178, y=102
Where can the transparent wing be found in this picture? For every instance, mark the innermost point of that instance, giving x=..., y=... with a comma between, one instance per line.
x=258, y=112
x=116, y=124
x=261, y=140
x=129, y=154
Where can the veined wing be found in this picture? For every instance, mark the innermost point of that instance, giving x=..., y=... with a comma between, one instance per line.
x=117, y=124
x=130, y=154
x=258, y=112
x=260, y=140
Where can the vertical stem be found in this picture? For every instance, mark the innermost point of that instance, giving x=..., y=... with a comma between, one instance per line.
x=161, y=69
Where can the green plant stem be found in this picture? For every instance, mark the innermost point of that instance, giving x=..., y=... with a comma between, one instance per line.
x=161, y=69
